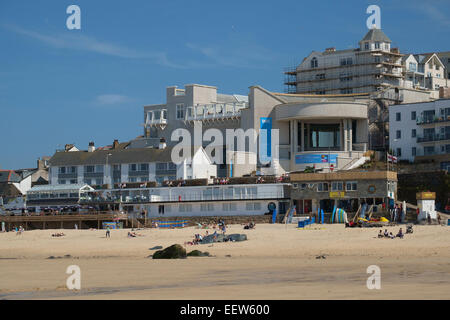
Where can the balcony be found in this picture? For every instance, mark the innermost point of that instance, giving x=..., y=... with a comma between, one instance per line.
x=156, y=118
x=215, y=112
x=434, y=137
x=427, y=120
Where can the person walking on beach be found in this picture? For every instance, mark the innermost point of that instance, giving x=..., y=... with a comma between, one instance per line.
x=108, y=233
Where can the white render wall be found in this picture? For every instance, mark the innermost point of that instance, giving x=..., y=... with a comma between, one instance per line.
x=406, y=125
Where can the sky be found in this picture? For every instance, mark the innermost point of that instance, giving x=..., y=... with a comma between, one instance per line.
x=60, y=86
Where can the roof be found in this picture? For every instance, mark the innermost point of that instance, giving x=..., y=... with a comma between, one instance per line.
x=9, y=176
x=9, y=190
x=60, y=187
x=121, y=156
x=376, y=35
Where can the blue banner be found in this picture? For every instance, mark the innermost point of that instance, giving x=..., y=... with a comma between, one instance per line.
x=315, y=158
x=265, y=125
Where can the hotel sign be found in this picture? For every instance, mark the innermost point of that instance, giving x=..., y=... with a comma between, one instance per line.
x=337, y=194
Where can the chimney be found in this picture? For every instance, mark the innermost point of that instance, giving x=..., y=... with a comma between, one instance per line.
x=115, y=144
x=91, y=147
x=332, y=49
x=162, y=143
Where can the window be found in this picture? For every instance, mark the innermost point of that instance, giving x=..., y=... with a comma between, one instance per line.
x=337, y=186
x=398, y=134
x=99, y=168
x=185, y=207
x=413, y=151
x=161, y=166
x=366, y=46
x=172, y=166
x=377, y=45
x=322, y=186
x=413, y=133
x=428, y=150
x=132, y=167
x=351, y=186
x=89, y=169
x=377, y=59
x=73, y=181
x=346, y=91
x=116, y=167
x=314, y=63
x=88, y=181
x=413, y=115
x=346, y=61
x=399, y=152
x=61, y=181
x=320, y=92
x=253, y=206
x=62, y=170
x=132, y=179
x=180, y=111
x=412, y=66
x=207, y=207
x=320, y=76
x=143, y=167
x=398, y=116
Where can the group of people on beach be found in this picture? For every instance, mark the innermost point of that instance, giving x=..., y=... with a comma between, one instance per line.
x=389, y=235
x=58, y=234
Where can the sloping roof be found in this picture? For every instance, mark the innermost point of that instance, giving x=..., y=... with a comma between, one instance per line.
x=9, y=190
x=376, y=35
x=9, y=176
x=121, y=156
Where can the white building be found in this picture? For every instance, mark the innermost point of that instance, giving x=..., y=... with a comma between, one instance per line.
x=124, y=165
x=424, y=71
x=209, y=200
x=371, y=67
x=420, y=131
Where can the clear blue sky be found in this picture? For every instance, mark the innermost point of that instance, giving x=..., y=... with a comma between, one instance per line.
x=61, y=86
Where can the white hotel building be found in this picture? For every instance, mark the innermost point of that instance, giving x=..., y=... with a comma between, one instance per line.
x=421, y=131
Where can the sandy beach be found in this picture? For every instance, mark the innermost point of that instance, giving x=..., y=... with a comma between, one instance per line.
x=276, y=262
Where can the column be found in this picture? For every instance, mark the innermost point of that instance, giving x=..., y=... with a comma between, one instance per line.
x=345, y=134
x=295, y=135
x=291, y=134
x=350, y=135
x=302, y=129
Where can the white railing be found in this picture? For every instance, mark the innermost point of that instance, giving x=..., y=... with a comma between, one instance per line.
x=156, y=117
x=215, y=111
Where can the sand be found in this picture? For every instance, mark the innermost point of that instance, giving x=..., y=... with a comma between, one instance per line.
x=277, y=262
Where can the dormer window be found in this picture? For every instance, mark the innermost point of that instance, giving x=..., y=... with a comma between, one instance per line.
x=314, y=63
x=366, y=46
x=377, y=45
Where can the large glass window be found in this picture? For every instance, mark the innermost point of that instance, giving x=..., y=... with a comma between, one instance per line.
x=324, y=135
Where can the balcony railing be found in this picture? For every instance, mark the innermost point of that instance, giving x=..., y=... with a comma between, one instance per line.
x=156, y=118
x=434, y=137
x=216, y=111
x=426, y=120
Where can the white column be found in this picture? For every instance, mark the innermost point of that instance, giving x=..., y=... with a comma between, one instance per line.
x=350, y=135
x=345, y=134
x=291, y=133
x=296, y=136
x=152, y=171
x=80, y=174
x=124, y=173
x=302, y=129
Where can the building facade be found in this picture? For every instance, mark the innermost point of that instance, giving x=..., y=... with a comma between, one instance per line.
x=371, y=67
x=420, y=131
x=115, y=166
x=311, y=191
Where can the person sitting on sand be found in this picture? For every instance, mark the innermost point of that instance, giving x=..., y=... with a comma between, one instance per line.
x=131, y=234
x=400, y=234
x=391, y=235
x=386, y=234
x=380, y=234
